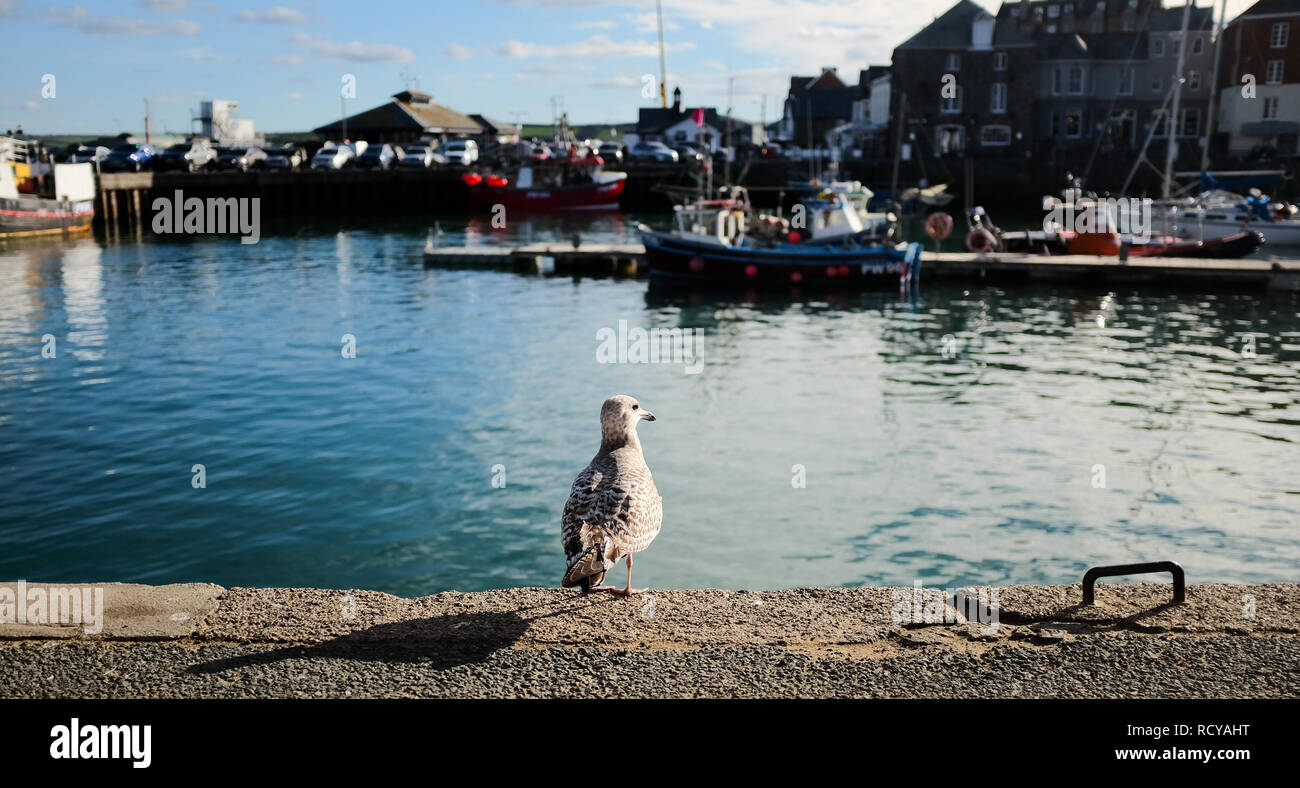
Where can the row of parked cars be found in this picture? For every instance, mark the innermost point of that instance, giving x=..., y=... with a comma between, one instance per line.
x=202, y=156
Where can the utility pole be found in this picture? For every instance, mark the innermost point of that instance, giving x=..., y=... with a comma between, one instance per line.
x=146, y=120
x=1171, y=126
x=1210, y=122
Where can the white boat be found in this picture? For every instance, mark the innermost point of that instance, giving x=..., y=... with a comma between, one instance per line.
x=1219, y=213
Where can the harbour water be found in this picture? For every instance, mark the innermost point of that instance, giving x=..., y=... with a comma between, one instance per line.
x=965, y=435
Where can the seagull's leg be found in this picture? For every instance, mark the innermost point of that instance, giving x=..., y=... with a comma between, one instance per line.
x=628, y=590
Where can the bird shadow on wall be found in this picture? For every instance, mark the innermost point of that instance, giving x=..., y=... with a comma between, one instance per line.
x=440, y=642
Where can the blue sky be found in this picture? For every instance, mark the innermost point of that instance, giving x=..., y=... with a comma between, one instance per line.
x=283, y=61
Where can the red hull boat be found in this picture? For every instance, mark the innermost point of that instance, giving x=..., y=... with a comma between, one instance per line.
x=597, y=194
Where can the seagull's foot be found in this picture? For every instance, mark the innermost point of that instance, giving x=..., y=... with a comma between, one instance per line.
x=628, y=591
x=612, y=589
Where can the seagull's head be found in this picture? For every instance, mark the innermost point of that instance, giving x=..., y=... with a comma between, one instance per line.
x=619, y=417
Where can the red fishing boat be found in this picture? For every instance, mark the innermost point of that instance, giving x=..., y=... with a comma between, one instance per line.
x=574, y=183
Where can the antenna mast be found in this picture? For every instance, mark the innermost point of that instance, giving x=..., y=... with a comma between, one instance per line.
x=663, y=70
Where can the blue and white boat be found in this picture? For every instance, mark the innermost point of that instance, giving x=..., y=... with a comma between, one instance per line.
x=721, y=241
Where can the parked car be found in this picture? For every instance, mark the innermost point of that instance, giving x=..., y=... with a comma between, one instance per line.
x=687, y=153
x=461, y=152
x=290, y=157
x=85, y=153
x=611, y=152
x=332, y=158
x=242, y=159
x=539, y=152
x=420, y=156
x=653, y=152
x=129, y=156
x=766, y=150
x=188, y=157
x=380, y=157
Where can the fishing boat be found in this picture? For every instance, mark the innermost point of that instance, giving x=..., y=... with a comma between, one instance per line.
x=722, y=241
x=38, y=198
x=576, y=183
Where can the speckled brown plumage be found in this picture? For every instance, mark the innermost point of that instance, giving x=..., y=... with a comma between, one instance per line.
x=613, y=509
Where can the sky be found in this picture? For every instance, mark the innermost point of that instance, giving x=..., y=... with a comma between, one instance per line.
x=285, y=61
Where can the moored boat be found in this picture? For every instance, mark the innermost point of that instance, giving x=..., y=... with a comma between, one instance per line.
x=721, y=242
x=67, y=206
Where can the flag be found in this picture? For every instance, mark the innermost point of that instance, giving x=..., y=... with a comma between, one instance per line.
x=698, y=117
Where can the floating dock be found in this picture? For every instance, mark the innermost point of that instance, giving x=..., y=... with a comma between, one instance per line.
x=629, y=260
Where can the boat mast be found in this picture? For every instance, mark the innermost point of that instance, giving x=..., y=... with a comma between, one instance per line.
x=663, y=70
x=1214, y=89
x=1171, y=126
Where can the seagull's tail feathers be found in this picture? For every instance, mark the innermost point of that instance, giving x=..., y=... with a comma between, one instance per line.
x=588, y=568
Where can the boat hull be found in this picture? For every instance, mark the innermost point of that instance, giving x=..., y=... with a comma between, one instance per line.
x=683, y=260
x=1286, y=233
x=586, y=196
x=40, y=215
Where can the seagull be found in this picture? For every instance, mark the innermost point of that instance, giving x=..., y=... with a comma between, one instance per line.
x=613, y=509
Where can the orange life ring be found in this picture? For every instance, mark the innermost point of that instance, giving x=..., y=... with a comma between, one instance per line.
x=938, y=226
x=979, y=240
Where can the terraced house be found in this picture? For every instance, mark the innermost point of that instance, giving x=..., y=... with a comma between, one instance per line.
x=1261, y=47
x=969, y=83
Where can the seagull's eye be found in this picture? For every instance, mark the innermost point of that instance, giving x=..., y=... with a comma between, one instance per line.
x=634, y=407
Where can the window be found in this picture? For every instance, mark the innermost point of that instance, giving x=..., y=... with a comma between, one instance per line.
x=995, y=135
x=1191, y=126
x=999, y=61
x=1158, y=47
x=1125, y=81
x=1076, y=81
x=998, y=98
x=1193, y=80
x=1278, y=36
x=1270, y=108
x=1056, y=81
x=1275, y=68
x=1157, y=83
x=952, y=105
x=1073, y=124
x=1158, y=121
x=1129, y=25
x=1198, y=45
x=1053, y=11
x=1098, y=26
x=954, y=61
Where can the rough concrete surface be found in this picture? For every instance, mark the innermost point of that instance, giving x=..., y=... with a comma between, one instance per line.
x=205, y=641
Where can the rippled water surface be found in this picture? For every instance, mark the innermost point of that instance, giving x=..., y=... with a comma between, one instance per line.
x=960, y=436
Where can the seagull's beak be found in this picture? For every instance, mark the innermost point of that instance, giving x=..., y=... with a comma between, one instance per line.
x=647, y=415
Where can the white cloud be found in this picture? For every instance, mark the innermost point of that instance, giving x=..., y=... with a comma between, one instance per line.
x=287, y=60
x=78, y=18
x=458, y=52
x=279, y=15
x=648, y=22
x=594, y=47
x=165, y=6
x=294, y=96
x=603, y=25
x=354, y=50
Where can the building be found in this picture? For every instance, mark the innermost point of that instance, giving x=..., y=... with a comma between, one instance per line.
x=1261, y=49
x=703, y=128
x=218, y=123
x=970, y=84
x=868, y=130
x=493, y=130
x=408, y=116
x=815, y=106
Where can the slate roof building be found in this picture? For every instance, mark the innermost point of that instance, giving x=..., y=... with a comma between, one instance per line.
x=406, y=117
